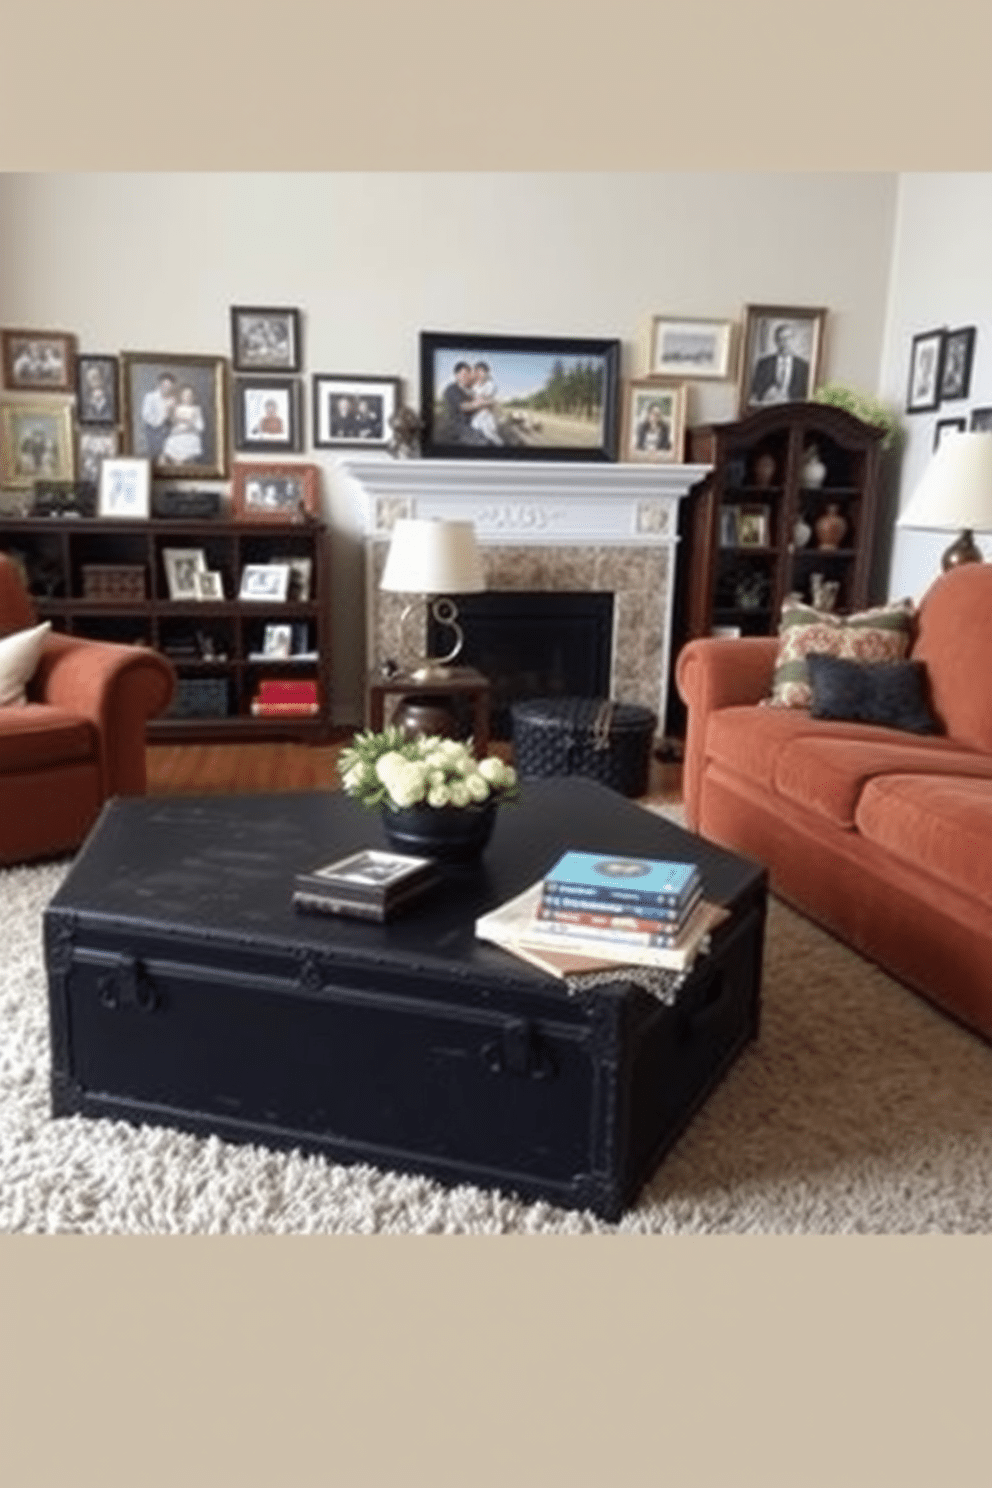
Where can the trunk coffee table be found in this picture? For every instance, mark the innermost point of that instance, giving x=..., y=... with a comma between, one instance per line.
x=185, y=990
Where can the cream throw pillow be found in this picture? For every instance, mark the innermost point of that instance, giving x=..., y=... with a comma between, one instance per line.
x=19, y=656
x=880, y=634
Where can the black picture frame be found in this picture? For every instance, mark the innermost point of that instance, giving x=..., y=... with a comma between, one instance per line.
x=266, y=338
x=266, y=414
x=524, y=418
x=955, y=370
x=947, y=426
x=981, y=421
x=926, y=362
x=352, y=409
x=98, y=391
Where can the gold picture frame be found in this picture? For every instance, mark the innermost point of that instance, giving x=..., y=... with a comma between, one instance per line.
x=781, y=352
x=654, y=421
x=36, y=440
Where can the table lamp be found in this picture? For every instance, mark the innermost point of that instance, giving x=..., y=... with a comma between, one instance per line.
x=433, y=558
x=955, y=495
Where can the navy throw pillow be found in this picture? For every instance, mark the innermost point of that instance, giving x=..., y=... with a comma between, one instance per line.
x=890, y=693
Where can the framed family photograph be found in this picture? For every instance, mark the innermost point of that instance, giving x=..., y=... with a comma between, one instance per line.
x=265, y=339
x=955, y=373
x=275, y=493
x=266, y=413
x=926, y=365
x=98, y=390
x=175, y=412
x=35, y=440
x=265, y=581
x=183, y=570
x=519, y=397
x=780, y=356
x=38, y=361
x=350, y=409
x=93, y=446
x=124, y=488
x=682, y=347
x=947, y=426
x=654, y=421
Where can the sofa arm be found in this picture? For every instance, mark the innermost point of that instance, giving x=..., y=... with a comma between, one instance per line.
x=118, y=688
x=717, y=672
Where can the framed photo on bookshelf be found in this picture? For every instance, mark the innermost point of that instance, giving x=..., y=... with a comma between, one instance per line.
x=124, y=489
x=265, y=581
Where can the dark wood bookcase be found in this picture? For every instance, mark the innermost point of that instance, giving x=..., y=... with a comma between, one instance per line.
x=215, y=645
x=738, y=572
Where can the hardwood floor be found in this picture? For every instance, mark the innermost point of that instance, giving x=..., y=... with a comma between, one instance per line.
x=224, y=769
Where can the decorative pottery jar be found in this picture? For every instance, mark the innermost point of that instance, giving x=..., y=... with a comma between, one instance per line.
x=831, y=527
x=814, y=472
x=801, y=532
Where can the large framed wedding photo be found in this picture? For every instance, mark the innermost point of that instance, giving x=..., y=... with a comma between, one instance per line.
x=519, y=397
x=654, y=421
x=353, y=409
x=780, y=356
x=265, y=339
x=266, y=414
x=38, y=361
x=687, y=348
x=175, y=413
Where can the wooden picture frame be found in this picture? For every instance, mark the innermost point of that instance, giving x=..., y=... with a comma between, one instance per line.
x=266, y=414
x=519, y=397
x=124, y=489
x=175, y=413
x=38, y=361
x=682, y=346
x=36, y=441
x=277, y=493
x=352, y=409
x=781, y=351
x=266, y=339
x=926, y=364
x=98, y=393
x=955, y=370
x=654, y=421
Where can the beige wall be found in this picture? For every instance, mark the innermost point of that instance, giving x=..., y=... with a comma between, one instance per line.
x=152, y=263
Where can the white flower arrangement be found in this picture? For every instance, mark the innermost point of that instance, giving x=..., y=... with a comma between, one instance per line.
x=390, y=769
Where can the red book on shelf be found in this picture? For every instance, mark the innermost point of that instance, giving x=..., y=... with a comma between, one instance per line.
x=288, y=690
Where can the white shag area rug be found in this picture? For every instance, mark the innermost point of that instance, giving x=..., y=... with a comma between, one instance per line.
x=859, y=1109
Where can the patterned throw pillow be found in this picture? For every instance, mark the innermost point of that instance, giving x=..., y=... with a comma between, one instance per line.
x=881, y=634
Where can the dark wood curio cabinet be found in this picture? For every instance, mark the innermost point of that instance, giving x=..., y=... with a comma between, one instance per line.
x=109, y=580
x=790, y=508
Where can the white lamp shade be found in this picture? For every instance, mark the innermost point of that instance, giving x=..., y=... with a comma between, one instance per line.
x=956, y=490
x=430, y=556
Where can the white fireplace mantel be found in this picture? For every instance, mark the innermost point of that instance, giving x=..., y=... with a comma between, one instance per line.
x=527, y=501
x=545, y=525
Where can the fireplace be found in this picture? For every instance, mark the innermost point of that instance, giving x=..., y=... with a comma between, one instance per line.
x=608, y=530
x=533, y=644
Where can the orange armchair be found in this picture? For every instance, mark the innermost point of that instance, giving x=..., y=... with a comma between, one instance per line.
x=79, y=739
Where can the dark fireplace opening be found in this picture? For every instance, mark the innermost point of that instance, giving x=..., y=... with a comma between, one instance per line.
x=542, y=644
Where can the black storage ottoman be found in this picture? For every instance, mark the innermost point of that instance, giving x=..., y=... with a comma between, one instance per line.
x=606, y=741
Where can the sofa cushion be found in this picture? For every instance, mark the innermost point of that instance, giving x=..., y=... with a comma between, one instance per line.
x=890, y=693
x=880, y=634
x=19, y=656
x=954, y=641
x=942, y=824
x=749, y=740
x=35, y=736
x=828, y=774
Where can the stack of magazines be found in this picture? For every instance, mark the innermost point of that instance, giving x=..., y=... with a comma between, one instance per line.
x=603, y=909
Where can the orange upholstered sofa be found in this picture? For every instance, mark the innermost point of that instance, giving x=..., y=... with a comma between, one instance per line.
x=79, y=738
x=883, y=837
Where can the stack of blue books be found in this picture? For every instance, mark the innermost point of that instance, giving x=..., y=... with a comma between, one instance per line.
x=623, y=900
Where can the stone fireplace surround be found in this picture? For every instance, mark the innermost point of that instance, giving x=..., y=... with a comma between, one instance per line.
x=543, y=526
